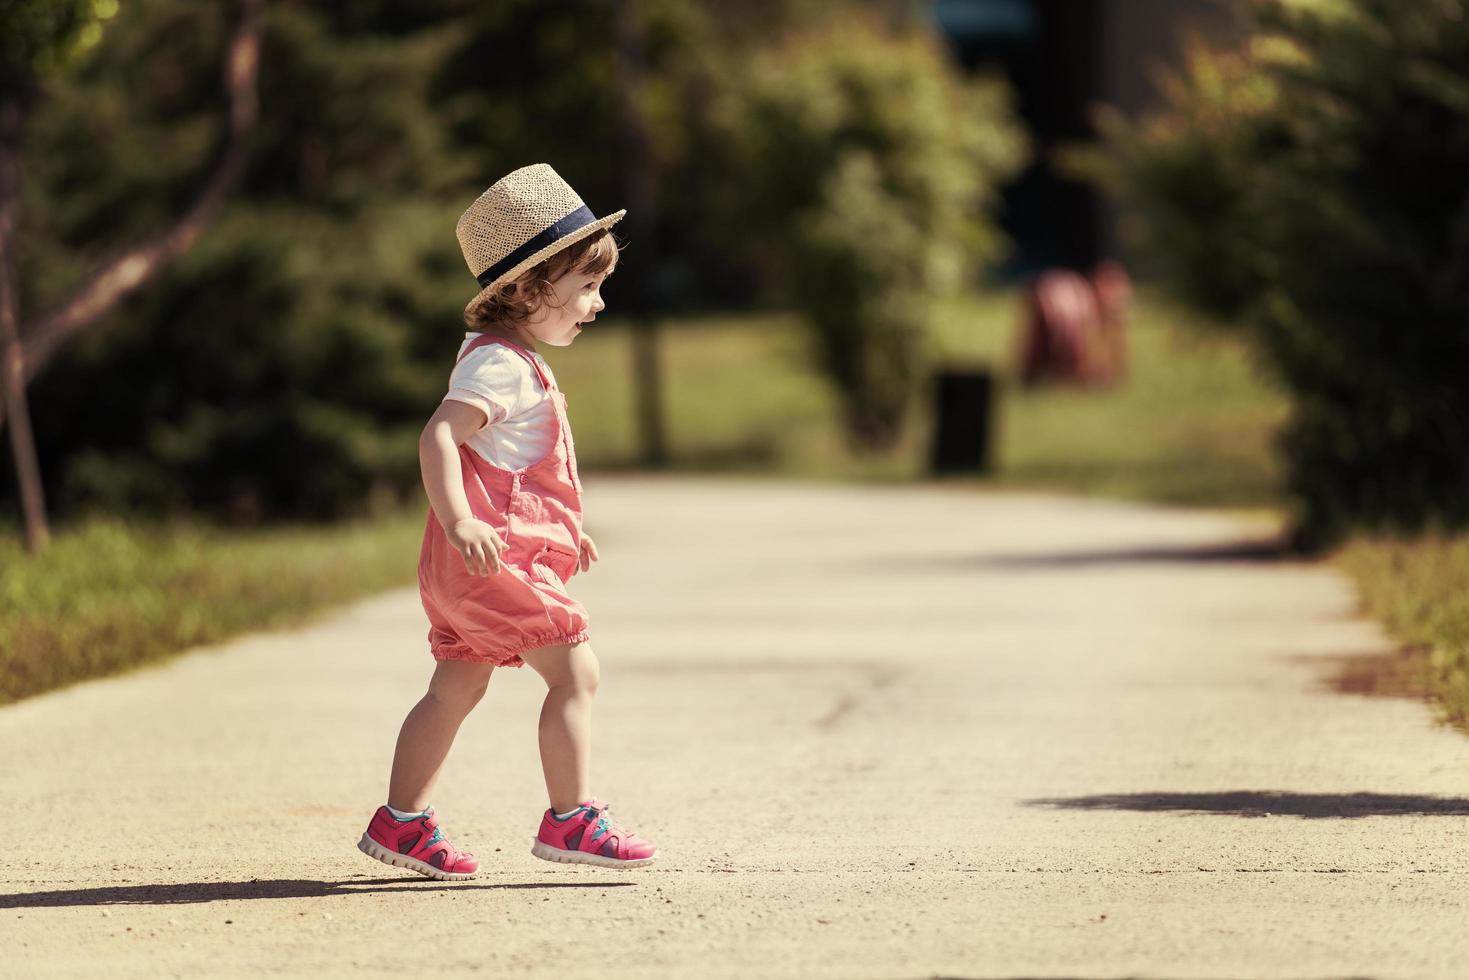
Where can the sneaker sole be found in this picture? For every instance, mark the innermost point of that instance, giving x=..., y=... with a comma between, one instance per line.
x=560, y=855
x=373, y=849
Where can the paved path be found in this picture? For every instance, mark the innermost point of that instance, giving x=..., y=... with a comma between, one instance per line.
x=876, y=732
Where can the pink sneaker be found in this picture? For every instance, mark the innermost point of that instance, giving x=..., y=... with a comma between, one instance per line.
x=589, y=836
x=418, y=845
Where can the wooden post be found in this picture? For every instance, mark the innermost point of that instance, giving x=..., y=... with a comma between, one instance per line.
x=640, y=220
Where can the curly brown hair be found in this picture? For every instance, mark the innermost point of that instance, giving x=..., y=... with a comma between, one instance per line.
x=512, y=303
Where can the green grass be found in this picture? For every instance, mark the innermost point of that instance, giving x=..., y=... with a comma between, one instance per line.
x=108, y=596
x=1191, y=426
x=739, y=394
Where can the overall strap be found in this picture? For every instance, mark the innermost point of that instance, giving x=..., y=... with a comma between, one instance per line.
x=485, y=339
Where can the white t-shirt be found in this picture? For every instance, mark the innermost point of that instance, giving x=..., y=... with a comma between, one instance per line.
x=499, y=382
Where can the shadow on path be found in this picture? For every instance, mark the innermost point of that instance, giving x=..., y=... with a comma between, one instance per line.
x=1260, y=803
x=187, y=893
x=1261, y=551
x=1405, y=672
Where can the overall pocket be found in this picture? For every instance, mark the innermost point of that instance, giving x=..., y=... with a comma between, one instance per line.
x=554, y=565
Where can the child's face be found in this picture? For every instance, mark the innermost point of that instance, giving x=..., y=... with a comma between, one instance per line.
x=578, y=301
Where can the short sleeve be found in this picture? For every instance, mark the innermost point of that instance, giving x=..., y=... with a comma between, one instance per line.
x=494, y=380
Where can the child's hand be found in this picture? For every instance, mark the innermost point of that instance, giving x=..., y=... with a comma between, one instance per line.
x=478, y=544
x=588, y=552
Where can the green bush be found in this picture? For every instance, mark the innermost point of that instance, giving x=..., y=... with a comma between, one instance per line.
x=1312, y=183
x=865, y=166
x=250, y=386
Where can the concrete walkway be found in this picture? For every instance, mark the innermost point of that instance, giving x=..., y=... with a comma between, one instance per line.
x=877, y=733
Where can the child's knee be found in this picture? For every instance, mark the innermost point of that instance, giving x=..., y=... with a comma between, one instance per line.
x=462, y=684
x=577, y=672
x=589, y=669
x=590, y=674
x=582, y=676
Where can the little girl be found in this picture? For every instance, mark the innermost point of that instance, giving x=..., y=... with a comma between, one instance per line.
x=504, y=530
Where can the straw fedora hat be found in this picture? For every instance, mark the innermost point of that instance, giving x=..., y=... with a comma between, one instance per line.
x=524, y=218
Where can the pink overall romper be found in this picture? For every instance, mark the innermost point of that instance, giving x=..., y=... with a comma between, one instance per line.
x=536, y=511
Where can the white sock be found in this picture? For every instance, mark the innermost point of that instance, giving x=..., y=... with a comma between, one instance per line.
x=400, y=815
x=563, y=816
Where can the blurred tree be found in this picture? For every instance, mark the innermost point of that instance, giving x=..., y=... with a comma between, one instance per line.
x=525, y=85
x=34, y=37
x=304, y=337
x=279, y=368
x=861, y=167
x=37, y=38
x=1313, y=184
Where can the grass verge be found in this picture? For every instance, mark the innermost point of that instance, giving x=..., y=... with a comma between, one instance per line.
x=1418, y=588
x=739, y=394
x=1193, y=426
x=109, y=596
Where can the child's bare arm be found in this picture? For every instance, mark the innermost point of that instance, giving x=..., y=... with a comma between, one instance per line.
x=443, y=479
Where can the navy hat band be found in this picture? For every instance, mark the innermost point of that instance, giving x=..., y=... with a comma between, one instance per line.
x=579, y=218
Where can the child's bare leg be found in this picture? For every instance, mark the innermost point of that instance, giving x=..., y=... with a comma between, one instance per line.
x=429, y=730
x=571, y=673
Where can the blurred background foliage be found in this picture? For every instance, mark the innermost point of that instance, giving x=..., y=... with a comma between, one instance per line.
x=40, y=36
x=866, y=164
x=1303, y=185
x=1309, y=184
x=283, y=368
x=826, y=182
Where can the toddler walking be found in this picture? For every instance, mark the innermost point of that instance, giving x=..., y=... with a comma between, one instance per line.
x=504, y=531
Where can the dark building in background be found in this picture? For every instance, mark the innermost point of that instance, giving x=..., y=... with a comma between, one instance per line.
x=1062, y=56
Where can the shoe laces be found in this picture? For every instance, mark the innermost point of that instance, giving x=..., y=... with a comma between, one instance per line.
x=604, y=822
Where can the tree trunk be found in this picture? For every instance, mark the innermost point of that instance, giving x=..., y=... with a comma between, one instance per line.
x=126, y=272
x=12, y=358
x=24, y=351
x=647, y=372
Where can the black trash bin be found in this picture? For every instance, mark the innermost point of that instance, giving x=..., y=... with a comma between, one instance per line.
x=963, y=410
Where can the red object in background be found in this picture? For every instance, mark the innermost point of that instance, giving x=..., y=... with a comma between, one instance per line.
x=1075, y=328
